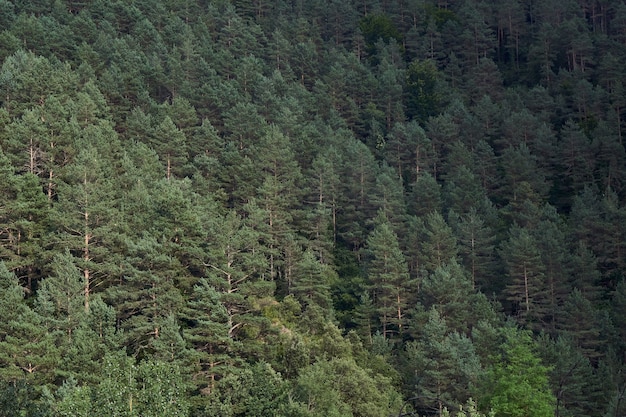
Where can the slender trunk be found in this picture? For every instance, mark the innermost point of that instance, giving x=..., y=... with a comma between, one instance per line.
x=417, y=162
x=86, y=272
x=50, y=185
x=473, y=242
x=31, y=155
x=399, y=302
x=334, y=222
x=526, y=289
x=50, y=174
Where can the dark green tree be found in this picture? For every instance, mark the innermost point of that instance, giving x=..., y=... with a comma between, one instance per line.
x=570, y=376
x=235, y=263
x=449, y=291
x=442, y=365
x=83, y=213
x=439, y=245
x=581, y=324
x=408, y=150
x=425, y=196
x=422, y=98
x=526, y=287
x=375, y=27
x=28, y=350
x=476, y=243
x=388, y=277
x=312, y=281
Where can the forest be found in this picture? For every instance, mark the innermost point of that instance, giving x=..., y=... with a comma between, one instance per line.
x=312, y=208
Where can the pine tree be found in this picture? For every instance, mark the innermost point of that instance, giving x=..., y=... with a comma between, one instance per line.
x=278, y=193
x=425, y=196
x=388, y=197
x=83, y=214
x=170, y=144
x=526, y=286
x=28, y=350
x=208, y=332
x=388, y=275
x=24, y=219
x=60, y=298
x=449, y=291
x=570, y=376
x=407, y=149
x=476, y=247
x=146, y=294
x=441, y=365
x=550, y=238
x=358, y=177
x=324, y=192
x=439, y=244
x=236, y=266
x=312, y=281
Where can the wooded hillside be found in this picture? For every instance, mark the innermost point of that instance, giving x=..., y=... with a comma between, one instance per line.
x=312, y=208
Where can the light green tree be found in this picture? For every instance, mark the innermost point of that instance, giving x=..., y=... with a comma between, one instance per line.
x=517, y=383
x=339, y=387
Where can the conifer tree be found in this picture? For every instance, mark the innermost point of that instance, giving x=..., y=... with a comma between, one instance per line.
x=60, y=298
x=208, y=332
x=388, y=197
x=83, y=214
x=407, y=149
x=442, y=365
x=237, y=268
x=358, y=177
x=388, y=275
x=581, y=324
x=312, y=281
x=325, y=188
x=425, y=196
x=476, y=247
x=439, y=244
x=28, y=349
x=525, y=289
x=449, y=291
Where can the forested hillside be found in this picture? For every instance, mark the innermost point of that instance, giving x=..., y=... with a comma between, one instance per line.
x=312, y=208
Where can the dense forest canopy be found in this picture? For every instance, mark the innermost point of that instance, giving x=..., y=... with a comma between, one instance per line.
x=312, y=208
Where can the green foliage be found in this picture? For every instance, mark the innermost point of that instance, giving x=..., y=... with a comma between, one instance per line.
x=340, y=387
x=388, y=277
x=378, y=26
x=256, y=390
x=441, y=365
x=526, y=285
x=189, y=195
x=470, y=409
x=422, y=98
x=517, y=382
x=20, y=399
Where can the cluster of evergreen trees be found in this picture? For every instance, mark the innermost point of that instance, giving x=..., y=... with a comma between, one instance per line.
x=312, y=208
